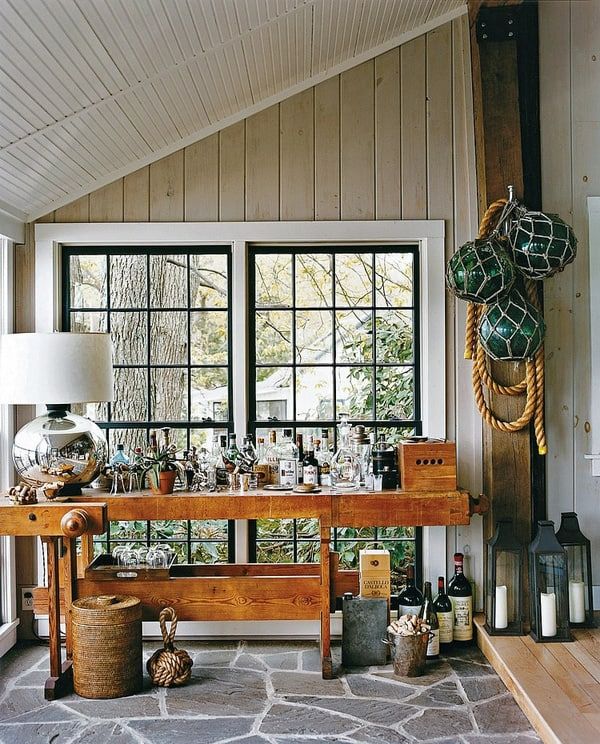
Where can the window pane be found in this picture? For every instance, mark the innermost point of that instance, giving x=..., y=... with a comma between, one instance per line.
x=394, y=336
x=209, y=338
x=129, y=333
x=353, y=279
x=210, y=394
x=273, y=337
x=394, y=279
x=208, y=280
x=168, y=338
x=209, y=529
x=395, y=392
x=314, y=393
x=314, y=280
x=94, y=411
x=354, y=392
x=169, y=529
x=273, y=384
x=168, y=281
x=88, y=280
x=273, y=274
x=130, y=395
x=209, y=552
x=314, y=336
x=354, y=337
x=88, y=322
x=204, y=437
x=168, y=394
x=129, y=438
x=128, y=280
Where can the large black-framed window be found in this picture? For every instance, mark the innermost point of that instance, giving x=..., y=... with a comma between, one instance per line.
x=168, y=310
x=334, y=329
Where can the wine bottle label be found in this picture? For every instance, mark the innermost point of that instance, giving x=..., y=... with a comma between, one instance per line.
x=463, y=618
x=433, y=647
x=446, y=621
x=408, y=610
x=310, y=474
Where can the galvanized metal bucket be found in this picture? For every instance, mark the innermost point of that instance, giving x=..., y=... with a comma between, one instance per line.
x=409, y=653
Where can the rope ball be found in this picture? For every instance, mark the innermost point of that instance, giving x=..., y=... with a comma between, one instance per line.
x=168, y=666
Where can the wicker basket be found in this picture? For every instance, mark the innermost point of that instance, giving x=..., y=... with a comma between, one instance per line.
x=107, y=646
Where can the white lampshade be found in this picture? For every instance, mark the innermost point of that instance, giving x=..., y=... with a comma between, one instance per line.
x=54, y=368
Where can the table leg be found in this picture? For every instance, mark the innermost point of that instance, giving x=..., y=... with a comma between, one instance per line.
x=326, y=662
x=70, y=578
x=60, y=681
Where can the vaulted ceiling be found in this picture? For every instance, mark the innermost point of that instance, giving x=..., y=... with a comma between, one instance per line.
x=93, y=89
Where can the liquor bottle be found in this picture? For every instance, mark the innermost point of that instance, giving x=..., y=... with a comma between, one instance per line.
x=300, y=445
x=410, y=598
x=427, y=612
x=233, y=454
x=345, y=466
x=261, y=466
x=166, y=437
x=287, y=456
x=445, y=615
x=247, y=456
x=119, y=458
x=310, y=466
x=153, y=446
x=272, y=458
x=219, y=447
x=324, y=459
x=461, y=596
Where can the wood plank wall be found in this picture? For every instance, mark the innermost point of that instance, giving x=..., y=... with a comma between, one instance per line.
x=570, y=133
x=389, y=139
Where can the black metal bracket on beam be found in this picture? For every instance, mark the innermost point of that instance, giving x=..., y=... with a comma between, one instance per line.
x=500, y=23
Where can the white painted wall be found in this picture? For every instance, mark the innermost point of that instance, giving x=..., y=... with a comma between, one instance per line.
x=570, y=132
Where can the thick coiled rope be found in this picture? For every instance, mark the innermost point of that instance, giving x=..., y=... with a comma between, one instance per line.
x=532, y=385
x=169, y=667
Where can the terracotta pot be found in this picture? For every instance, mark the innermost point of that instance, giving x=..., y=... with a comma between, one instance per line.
x=166, y=482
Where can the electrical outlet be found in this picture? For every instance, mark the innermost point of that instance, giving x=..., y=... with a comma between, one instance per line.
x=27, y=598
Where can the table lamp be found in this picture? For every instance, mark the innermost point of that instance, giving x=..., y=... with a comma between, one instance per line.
x=57, y=369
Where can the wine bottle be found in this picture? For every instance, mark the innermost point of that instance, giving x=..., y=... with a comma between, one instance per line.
x=443, y=609
x=410, y=598
x=427, y=613
x=461, y=596
x=310, y=466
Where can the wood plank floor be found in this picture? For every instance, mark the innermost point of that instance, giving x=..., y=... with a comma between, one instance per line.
x=557, y=685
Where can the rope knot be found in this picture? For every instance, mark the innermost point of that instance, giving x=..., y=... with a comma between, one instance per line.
x=168, y=666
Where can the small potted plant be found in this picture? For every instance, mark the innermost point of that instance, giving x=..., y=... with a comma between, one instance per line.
x=162, y=470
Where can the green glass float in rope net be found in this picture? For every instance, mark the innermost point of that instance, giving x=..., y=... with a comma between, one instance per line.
x=541, y=244
x=511, y=329
x=480, y=271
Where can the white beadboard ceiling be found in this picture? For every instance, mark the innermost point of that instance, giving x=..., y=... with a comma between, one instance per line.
x=91, y=90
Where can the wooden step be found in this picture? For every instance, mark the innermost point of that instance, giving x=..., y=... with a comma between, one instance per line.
x=557, y=685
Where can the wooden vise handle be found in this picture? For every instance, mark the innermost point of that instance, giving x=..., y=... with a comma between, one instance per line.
x=74, y=523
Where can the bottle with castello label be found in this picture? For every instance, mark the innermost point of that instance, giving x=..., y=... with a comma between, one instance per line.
x=445, y=615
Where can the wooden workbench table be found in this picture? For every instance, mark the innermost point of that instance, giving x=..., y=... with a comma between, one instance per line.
x=224, y=592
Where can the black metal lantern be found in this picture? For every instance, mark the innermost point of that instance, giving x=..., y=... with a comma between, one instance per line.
x=504, y=589
x=548, y=586
x=579, y=561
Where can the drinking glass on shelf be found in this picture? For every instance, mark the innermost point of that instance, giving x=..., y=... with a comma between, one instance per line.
x=142, y=555
x=156, y=557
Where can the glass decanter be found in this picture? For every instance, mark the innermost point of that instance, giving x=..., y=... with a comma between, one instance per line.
x=345, y=465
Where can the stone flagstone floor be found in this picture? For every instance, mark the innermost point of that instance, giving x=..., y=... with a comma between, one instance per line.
x=259, y=692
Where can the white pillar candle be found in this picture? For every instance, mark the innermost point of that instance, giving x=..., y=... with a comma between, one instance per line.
x=501, y=616
x=548, y=605
x=576, y=602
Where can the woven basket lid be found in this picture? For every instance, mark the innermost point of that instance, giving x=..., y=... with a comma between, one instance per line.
x=107, y=609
